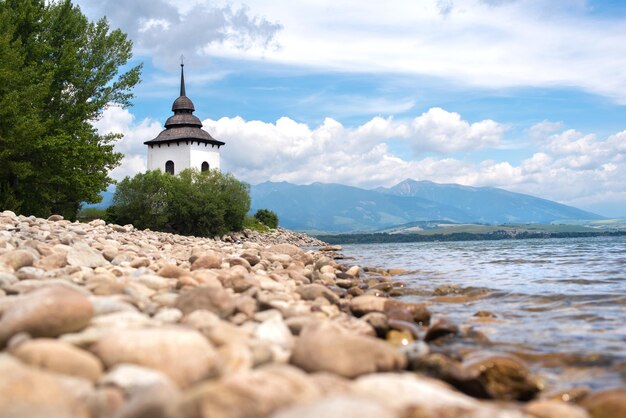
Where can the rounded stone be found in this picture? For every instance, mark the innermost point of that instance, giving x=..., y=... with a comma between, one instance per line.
x=362, y=305
x=440, y=328
x=606, y=404
x=552, y=409
x=212, y=299
x=208, y=260
x=324, y=346
x=60, y=357
x=172, y=271
x=338, y=406
x=314, y=291
x=46, y=312
x=28, y=392
x=399, y=338
x=82, y=255
x=182, y=354
x=17, y=259
x=133, y=379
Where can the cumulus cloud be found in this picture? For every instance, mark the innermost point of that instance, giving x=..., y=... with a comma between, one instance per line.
x=118, y=120
x=445, y=131
x=569, y=166
x=267, y=149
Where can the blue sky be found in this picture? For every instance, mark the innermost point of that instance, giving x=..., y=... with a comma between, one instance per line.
x=527, y=95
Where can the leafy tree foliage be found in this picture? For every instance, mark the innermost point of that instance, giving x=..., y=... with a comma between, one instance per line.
x=58, y=72
x=267, y=218
x=191, y=203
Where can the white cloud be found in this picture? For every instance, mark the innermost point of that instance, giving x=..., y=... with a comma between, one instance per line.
x=121, y=121
x=487, y=43
x=542, y=129
x=568, y=166
x=267, y=149
x=166, y=29
x=445, y=131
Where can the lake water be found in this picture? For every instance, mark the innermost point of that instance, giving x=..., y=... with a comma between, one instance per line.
x=560, y=304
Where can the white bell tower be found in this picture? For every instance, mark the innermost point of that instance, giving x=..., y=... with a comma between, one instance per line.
x=183, y=143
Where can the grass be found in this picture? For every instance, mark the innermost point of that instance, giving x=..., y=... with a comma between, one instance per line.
x=89, y=214
x=250, y=222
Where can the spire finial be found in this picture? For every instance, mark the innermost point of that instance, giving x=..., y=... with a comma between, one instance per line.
x=182, y=75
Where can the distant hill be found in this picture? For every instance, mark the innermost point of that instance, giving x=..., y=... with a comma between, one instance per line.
x=338, y=208
x=107, y=199
x=489, y=204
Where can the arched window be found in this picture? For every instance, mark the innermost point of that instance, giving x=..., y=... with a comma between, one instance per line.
x=204, y=166
x=169, y=167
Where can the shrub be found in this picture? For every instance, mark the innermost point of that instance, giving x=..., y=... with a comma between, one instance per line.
x=267, y=217
x=191, y=203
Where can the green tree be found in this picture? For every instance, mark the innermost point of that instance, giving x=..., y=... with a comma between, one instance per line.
x=191, y=203
x=142, y=201
x=267, y=218
x=58, y=72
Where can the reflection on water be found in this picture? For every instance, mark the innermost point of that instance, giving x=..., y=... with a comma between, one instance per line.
x=559, y=303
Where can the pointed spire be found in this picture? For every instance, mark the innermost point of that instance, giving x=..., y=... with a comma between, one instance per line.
x=182, y=76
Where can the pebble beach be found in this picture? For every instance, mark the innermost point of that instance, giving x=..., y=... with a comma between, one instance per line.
x=100, y=320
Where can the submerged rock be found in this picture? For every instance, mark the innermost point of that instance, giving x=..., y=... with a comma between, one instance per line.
x=498, y=377
x=440, y=328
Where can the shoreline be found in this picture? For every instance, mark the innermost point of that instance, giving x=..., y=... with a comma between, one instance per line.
x=386, y=238
x=105, y=320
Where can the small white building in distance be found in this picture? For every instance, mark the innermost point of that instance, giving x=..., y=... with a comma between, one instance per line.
x=183, y=144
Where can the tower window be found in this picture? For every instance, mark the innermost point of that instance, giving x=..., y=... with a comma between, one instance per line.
x=204, y=166
x=169, y=167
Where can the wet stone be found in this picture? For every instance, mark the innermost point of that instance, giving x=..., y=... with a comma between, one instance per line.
x=324, y=346
x=606, y=403
x=440, y=328
x=485, y=314
x=314, y=291
x=551, y=409
x=399, y=338
x=499, y=377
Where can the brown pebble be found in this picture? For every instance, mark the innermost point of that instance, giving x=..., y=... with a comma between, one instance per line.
x=172, y=271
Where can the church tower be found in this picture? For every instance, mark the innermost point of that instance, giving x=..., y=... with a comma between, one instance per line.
x=183, y=143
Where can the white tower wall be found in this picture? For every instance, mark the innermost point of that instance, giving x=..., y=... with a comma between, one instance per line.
x=159, y=155
x=183, y=155
x=200, y=153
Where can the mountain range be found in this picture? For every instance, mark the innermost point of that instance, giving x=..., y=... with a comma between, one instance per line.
x=336, y=208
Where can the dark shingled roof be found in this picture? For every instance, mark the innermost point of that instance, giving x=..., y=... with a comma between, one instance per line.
x=183, y=125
